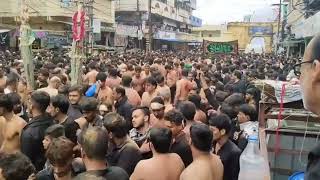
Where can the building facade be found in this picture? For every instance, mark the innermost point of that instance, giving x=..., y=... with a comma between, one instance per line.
x=251, y=36
x=303, y=22
x=51, y=21
x=171, y=23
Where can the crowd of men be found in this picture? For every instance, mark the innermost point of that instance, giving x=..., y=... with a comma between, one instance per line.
x=157, y=116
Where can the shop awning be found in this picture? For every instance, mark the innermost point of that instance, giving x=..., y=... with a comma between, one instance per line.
x=291, y=42
x=4, y=30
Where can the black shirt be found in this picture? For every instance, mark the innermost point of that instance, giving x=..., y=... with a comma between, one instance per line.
x=313, y=167
x=229, y=154
x=32, y=136
x=181, y=147
x=47, y=174
x=74, y=112
x=111, y=173
x=125, y=156
x=70, y=128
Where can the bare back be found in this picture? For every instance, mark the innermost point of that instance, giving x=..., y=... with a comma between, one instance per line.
x=11, y=134
x=209, y=168
x=162, y=167
x=183, y=88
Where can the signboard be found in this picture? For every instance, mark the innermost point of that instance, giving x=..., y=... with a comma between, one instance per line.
x=164, y=35
x=126, y=30
x=221, y=47
x=96, y=26
x=260, y=30
x=195, y=21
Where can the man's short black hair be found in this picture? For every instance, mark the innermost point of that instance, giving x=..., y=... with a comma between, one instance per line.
x=89, y=104
x=94, y=142
x=40, y=100
x=113, y=72
x=101, y=76
x=126, y=81
x=314, y=47
x=160, y=79
x=158, y=99
x=15, y=98
x=235, y=99
x=249, y=111
x=185, y=72
x=161, y=139
x=195, y=99
x=188, y=109
x=11, y=79
x=237, y=74
x=55, y=131
x=77, y=88
x=145, y=110
x=201, y=137
x=16, y=166
x=121, y=91
x=151, y=80
x=6, y=102
x=221, y=121
x=60, y=101
x=174, y=116
x=116, y=124
x=229, y=110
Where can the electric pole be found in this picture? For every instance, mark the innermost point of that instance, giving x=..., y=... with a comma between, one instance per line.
x=139, y=23
x=279, y=24
x=150, y=39
x=88, y=7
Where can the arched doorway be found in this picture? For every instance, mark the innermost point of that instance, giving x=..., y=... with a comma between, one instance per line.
x=256, y=45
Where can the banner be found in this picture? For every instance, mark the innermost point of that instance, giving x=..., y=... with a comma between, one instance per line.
x=220, y=47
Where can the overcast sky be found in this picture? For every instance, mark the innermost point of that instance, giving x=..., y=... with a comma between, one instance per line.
x=221, y=11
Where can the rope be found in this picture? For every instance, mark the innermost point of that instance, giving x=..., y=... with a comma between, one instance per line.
x=283, y=91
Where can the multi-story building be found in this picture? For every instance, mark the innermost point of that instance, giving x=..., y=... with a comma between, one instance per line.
x=51, y=21
x=303, y=22
x=171, y=22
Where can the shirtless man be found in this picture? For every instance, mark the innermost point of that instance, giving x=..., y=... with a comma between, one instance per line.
x=133, y=96
x=53, y=86
x=162, y=87
x=11, y=84
x=138, y=80
x=146, y=72
x=163, y=165
x=150, y=93
x=184, y=86
x=113, y=80
x=205, y=165
x=104, y=93
x=200, y=116
x=13, y=126
x=3, y=79
x=172, y=78
x=157, y=64
x=90, y=77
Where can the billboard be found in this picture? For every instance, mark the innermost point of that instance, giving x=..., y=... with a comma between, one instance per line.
x=220, y=47
x=260, y=30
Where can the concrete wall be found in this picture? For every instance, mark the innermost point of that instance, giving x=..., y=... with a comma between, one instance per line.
x=241, y=32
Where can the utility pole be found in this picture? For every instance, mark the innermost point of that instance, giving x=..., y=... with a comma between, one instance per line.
x=26, y=40
x=150, y=27
x=139, y=24
x=88, y=7
x=279, y=24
